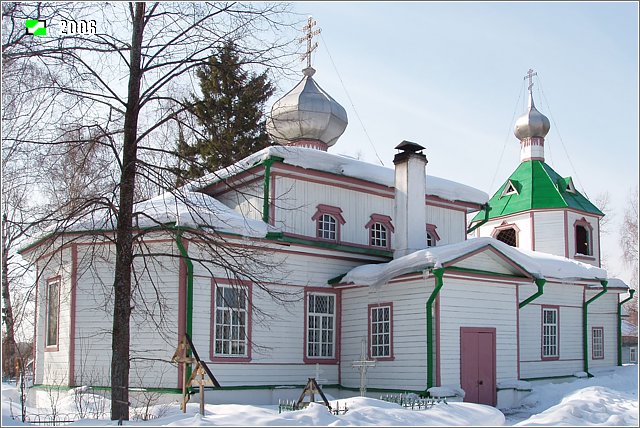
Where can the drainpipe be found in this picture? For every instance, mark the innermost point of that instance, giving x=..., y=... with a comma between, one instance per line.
x=485, y=207
x=438, y=273
x=585, y=332
x=189, y=310
x=540, y=283
x=631, y=293
x=267, y=186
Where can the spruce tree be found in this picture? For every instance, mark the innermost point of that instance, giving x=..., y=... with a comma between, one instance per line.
x=230, y=113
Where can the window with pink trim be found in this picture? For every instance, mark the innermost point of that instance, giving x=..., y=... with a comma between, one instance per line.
x=432, y=235
x=507, y=233
x=380, y=229
x=230, y=321
x=52, y=315
x=321, y=326
x=583, y=235
x=380, y=331
x=597, y=344
x=550, y=333
x=328, y=221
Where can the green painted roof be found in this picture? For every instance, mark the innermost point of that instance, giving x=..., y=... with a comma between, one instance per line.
x=538, y=186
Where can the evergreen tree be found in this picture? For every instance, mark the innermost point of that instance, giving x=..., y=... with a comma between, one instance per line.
x=230, y=112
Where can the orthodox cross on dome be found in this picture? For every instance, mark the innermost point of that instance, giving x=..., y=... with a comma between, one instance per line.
x=529, y=76
x=308, y=37
x=363, y=365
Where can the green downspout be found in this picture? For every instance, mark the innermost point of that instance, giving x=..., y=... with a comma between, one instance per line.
x=267, y=185
x=481, y=222
x=631, y=293
x=438, y=273
x=540, y=283
x=189, y=302
x=585, y=332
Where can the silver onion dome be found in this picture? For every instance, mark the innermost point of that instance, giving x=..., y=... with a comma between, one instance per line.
x=307, y=112
x=532, y=123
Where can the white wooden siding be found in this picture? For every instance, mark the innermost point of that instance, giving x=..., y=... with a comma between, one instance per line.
x=469, y=303
x=154, y=334
x=487, y=260
x=247, y=199
x=522, y=221
x=549, y=232
x=52, y=367
x=569, y=298
x=603, y=312
x=451, y=224
x=408, y=369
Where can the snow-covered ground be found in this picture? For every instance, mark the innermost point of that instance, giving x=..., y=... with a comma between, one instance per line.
x=608, y=399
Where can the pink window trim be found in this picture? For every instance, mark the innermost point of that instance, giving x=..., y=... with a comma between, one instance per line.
x=391, y=356
x=505, y=226
x=431, y=230
x=337, y=309
x=56, y=347
x=593, y=340
x=384, y=220
x=584, y=223
x=336, y=212
x=542, y=308
x=230, y=359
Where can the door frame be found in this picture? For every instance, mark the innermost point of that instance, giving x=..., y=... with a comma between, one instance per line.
x=491, y=330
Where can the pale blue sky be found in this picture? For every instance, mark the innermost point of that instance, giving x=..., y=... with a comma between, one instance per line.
x=449, y=76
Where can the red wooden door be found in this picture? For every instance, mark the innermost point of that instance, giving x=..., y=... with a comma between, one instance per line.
x=478, y=364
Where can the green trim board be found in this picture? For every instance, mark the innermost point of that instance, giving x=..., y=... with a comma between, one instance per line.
x=540, y=187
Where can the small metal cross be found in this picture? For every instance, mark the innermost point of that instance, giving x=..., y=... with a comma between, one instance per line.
x=308, y=37
x=363, y=364
x=529, y=76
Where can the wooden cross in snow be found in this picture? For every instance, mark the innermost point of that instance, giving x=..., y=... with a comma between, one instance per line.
x=363, y=365
x=308, y=37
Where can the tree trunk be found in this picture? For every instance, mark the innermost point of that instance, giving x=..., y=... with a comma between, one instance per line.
x=9, y=342
x=124, y=241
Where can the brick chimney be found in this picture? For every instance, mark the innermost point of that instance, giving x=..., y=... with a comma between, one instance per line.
x=410, y=216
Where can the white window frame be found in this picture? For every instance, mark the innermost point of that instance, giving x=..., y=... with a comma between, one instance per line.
x=633, y=354
x=380, y=323
x=550, y=333
x=231, y=322
x=325, y=223
x=321, y=327
x=379, y=235
x=597, y=343
x=52, y=317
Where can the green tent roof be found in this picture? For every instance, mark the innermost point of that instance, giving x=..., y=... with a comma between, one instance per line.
x=535, y=185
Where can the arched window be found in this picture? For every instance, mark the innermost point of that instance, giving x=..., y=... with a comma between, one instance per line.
x=582, y=240
x=508, y=236
x=380, y=230
x=432, y=235
x=378, y=235
x=507, y=233
x=327, y=227
x=328, y=221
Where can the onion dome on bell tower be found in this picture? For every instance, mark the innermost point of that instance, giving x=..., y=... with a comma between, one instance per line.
x=307, y=116
x=531, y=128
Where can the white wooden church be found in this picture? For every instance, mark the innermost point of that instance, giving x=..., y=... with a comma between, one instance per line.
x=448, y=289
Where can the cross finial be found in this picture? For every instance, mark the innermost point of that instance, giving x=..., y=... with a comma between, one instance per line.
x=308, y=37
x=529, y=76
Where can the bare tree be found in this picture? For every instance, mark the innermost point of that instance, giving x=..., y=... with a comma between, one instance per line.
x=153, y=48
x=629, y=245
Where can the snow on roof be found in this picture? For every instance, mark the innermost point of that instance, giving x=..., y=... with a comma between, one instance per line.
x=629, y=329
x=191, y=209
x=539, y=265
x=343, y=165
